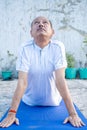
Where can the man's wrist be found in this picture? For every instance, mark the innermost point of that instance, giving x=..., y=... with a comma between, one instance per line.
x=12, y=111
x=73, y=114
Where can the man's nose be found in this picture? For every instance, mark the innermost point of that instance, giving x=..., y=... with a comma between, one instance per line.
x=41, y=24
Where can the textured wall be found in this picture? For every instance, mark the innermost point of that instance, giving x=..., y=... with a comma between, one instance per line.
x=69, y=18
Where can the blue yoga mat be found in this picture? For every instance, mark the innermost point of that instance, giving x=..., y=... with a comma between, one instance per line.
x=44, y=118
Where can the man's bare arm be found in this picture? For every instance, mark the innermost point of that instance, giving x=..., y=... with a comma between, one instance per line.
x=64, y=91
x=21, y=86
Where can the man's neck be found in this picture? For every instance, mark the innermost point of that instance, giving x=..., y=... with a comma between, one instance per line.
x=42, y=42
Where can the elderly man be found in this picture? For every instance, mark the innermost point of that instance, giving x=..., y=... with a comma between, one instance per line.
x=41, y=81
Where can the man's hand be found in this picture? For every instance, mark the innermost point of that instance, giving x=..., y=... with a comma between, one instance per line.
x=74, y=120
x=9, y=120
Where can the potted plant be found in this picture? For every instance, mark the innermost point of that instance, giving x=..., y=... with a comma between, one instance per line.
x=8, y=65
x=83, y=70
x=70, y=72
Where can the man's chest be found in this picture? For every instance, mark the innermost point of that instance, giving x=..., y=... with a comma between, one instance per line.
x=41, y=61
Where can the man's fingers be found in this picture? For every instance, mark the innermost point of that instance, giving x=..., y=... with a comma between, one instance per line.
x=3, y=123
x=7, y=123
x=82, y=123
x=17, y=121
x=68, y=119
x=65, y=121
x=76, y=122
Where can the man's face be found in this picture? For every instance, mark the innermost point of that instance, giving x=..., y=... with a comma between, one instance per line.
x=41, y=27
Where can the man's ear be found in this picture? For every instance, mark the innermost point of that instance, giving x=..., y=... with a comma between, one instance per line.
x=52, y=33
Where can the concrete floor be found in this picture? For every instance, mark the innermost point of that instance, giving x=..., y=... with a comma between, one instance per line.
x=78, y=90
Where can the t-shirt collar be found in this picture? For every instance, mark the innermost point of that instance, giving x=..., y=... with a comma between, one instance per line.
x=39, y=48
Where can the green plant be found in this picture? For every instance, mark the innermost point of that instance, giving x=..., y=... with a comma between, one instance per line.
x=8, y=66
x=71, y=71
x=70, y=60
x=85, y=41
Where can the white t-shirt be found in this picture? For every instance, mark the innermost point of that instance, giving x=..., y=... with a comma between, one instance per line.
x=40, y=64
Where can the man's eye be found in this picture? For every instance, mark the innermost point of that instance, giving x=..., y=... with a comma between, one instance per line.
x=45, y=22
x=36, y=22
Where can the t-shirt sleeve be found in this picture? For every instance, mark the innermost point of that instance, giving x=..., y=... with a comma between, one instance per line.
x=60, y=58
x=22, y=63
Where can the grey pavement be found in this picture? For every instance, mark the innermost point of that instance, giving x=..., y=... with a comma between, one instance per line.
x=78, y=90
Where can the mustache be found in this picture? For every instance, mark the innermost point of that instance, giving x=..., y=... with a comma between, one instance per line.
x=41, y=28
